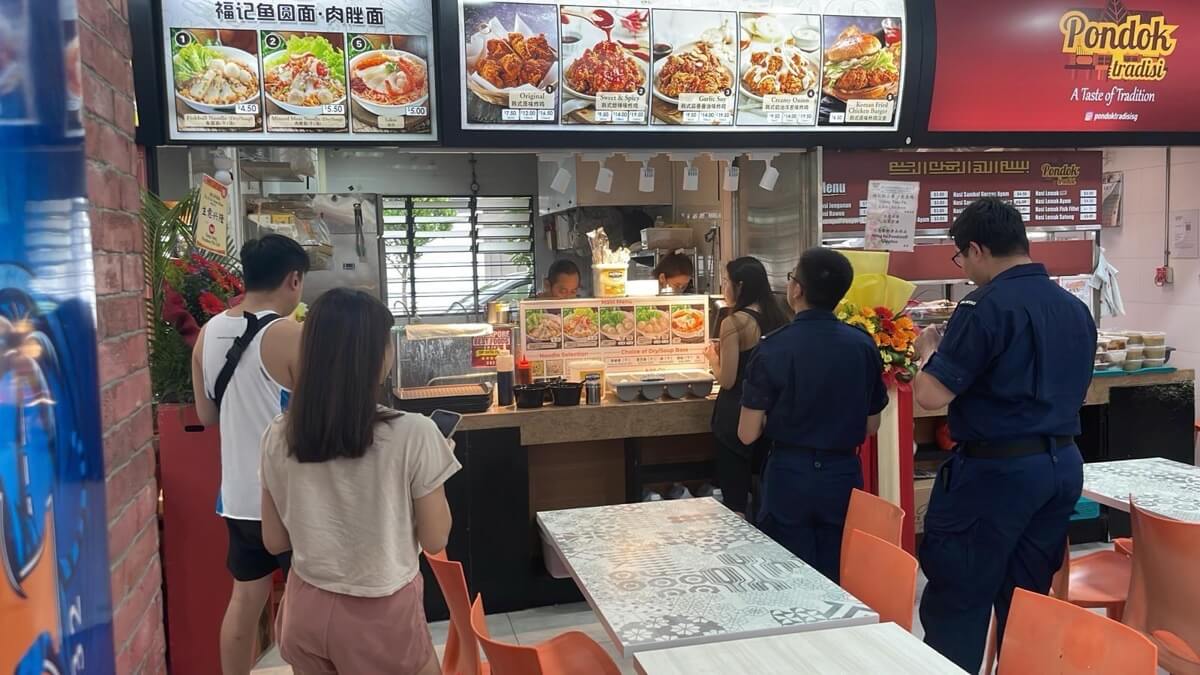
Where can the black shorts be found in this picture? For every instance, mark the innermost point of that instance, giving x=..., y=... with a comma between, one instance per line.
x=248, y=559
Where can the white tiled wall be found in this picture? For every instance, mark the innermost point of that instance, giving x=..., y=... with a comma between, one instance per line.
x=1136, y=249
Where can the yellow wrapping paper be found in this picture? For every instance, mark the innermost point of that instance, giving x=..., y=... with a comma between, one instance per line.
x=873, y=286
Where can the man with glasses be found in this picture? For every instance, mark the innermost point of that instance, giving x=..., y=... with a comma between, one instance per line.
x=815, y=389
x=1013, y=366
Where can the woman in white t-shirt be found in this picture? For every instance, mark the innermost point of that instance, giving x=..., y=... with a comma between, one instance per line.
x=354, y=489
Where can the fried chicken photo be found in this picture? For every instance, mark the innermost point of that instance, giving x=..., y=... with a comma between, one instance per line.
x=858, y=67
x=606, y=66
x=516, y=60
x=696, y=71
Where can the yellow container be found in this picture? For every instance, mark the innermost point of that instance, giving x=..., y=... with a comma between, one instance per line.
x=608, y=280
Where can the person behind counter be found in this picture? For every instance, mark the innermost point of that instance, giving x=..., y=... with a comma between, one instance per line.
x=754, y=312
x=355, y=490
x=1014, y=367
x=674, y=271
x=561, y=282
x=815, y=390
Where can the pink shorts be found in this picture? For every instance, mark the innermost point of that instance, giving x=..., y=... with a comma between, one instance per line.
x=324, y=633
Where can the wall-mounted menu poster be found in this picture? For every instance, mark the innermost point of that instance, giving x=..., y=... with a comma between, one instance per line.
x=627, y=334
x=300, y=70
x=674, y=65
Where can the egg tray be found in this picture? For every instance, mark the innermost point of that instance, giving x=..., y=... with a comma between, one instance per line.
x=654, y=386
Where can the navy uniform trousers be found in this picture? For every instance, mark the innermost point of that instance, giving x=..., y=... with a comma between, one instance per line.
x=805, y=497
x=992, y=525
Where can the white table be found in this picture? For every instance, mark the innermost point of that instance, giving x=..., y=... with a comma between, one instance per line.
x=1157, y=485
x=672, y=573
x=878, y=648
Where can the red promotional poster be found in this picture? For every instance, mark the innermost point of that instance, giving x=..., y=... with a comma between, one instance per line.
x=1067, y=66
x=1048, y=187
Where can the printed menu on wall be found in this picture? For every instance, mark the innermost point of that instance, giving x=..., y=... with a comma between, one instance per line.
x=303, y=70
x=670, y=65
x=628, y=334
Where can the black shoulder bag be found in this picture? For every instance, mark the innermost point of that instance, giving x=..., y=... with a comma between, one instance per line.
x=254, y=324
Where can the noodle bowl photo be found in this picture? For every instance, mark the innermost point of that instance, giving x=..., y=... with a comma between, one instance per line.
x=389, y=81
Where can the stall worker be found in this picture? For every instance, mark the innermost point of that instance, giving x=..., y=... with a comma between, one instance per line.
x=815, y=390
x=1014, y=367
x=675, y=272
x=561, y=282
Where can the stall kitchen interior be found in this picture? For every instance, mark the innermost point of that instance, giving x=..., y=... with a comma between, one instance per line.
x=557, y=204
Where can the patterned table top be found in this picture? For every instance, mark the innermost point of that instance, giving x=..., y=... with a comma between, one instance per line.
x=674, y=573
x=1158, y=485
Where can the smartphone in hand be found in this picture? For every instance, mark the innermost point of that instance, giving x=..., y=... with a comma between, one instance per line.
x=446, y=421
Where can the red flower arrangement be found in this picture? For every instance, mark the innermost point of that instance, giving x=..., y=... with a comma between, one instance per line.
x=196, y=289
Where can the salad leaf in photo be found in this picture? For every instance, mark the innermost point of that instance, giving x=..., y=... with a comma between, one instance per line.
x=191, y=61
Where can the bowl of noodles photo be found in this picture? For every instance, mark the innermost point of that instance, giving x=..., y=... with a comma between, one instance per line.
x=580, y=324
x=213, y=78
x=616, y=324
x=687, y=323
x=652, y=322
x=543, y=326
x=306, y=76
x=387, y=82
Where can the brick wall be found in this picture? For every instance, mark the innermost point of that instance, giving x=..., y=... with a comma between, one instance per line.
x=113, y=173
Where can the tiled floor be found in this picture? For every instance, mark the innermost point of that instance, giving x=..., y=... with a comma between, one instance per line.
x=535, y=625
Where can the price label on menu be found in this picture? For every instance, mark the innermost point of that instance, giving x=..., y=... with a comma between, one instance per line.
x=247, y=109
x=334, y=109
x=530, y=100
x=705, y=103
x=623, y=101
x=417, y=111
x=860, y=111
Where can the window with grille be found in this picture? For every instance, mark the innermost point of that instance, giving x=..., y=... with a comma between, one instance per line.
x=453, y=255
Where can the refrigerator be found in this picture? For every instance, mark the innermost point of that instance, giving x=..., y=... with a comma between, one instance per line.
x=340, y=232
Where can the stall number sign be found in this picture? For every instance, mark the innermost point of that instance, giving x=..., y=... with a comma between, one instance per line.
x=212, y=216
x=891, y=215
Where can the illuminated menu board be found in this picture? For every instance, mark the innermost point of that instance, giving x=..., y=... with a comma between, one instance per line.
x=1048, y=188
x=300, y=71
x=671, y=65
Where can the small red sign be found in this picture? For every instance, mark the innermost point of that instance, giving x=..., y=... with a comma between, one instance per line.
x=484, y=348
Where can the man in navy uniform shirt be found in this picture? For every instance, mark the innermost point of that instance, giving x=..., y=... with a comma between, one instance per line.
x=815, y=389
x=1014, y=368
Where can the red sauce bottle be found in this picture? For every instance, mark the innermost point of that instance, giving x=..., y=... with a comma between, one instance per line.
x=524, y=371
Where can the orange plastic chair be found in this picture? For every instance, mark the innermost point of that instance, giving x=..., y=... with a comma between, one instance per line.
x=882, y=575
x=1123, y=545
x=874, y=515
x=1099, y=579
x=1164, y=594
x=571, y=653
x=461, y=656
x=1048, y=636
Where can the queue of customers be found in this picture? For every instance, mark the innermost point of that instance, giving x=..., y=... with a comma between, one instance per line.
x=352, y=491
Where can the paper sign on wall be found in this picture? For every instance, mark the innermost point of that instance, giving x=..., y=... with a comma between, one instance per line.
x=212, y=216
x=1185, y=238
x=891, y=215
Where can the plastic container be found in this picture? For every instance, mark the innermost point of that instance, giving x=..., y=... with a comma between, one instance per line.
x=1134, y=337
x=566, y=393
x=1154, y=339
x=1131, y=365
x=608, y=280
x=1115, y=356
x=1154, y=352
x=530, y=395
x=578, y=371
x=1153, y=363
x=504, y=378
x=1134, y=352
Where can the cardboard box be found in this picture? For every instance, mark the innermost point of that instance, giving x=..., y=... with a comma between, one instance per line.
x=922, y=489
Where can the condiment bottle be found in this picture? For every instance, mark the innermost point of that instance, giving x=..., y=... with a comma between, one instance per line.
x=504, y=378
x=592, y=391
x=524, y=371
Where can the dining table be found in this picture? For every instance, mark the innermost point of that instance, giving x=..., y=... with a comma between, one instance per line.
x=1160, y=486
x=690, y=571
x=853, y=650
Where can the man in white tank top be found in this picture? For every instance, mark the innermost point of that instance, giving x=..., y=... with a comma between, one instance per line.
x=273, y=268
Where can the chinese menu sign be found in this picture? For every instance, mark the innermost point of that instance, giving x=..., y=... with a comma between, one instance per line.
x=891, y=215
x=670, y=65
x=1048, y=188
x=628, y=334
x=300, y=71
x=212, y=216
x=1067, y=65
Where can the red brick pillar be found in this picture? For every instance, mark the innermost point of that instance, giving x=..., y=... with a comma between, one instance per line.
x=113, y=167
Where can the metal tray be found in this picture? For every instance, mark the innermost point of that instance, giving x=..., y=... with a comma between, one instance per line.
x=459, y=398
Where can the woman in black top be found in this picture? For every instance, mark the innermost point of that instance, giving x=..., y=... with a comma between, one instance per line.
x=753, y=312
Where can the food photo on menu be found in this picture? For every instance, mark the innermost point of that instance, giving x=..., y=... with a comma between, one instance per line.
x=616, y=326
x=511, y=62
x=780, y=69
x=543, y=329
x=606, y=64
x=216, y=80
x=304, y=81
x=687, y=324
x=694, y=67
x=389, y=83
x=653, y=325
x=580, y=327
x=861, y=70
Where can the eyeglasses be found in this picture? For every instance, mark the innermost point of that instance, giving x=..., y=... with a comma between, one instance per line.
x=957, y=259
x=791, y=276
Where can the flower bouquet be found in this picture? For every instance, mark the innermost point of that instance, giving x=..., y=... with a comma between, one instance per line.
x=895, y=336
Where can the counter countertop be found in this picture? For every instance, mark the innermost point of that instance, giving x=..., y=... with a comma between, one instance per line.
x=613, y=419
